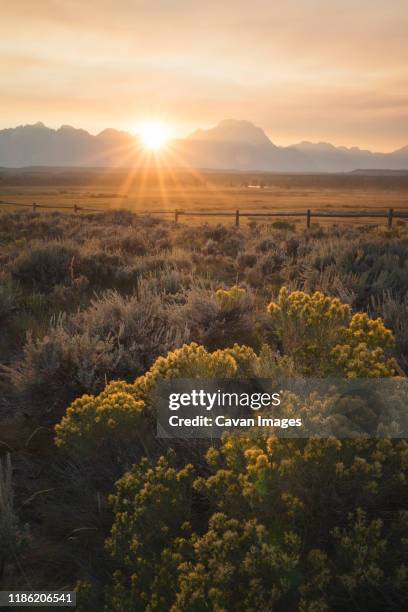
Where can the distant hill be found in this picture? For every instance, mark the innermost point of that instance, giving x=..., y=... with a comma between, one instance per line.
x=38, y=145
x=380, y=172
x=231, y=145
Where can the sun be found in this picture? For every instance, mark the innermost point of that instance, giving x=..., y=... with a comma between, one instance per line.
x=154, y=135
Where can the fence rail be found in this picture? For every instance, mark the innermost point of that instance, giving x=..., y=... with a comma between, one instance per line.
x=389, y=215
x=34, y=206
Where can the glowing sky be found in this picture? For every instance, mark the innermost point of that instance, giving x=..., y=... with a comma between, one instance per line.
x=333, y=70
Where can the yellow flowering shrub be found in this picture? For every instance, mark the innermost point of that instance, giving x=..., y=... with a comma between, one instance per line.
x=261, y=523
x=153, y=507
x=237, y=565
x=361, y=351
x=264, y=471
x=227, y=298
x=324, y=338
x=287, y=524
x=308, y=487
x=114, y=418
x=125, y=412
x=194, y=361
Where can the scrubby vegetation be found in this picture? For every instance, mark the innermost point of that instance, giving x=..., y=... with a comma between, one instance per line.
x=94, y=310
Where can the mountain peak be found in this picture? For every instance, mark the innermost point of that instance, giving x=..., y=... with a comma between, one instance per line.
x=67, y=128
x=233, y=130
x=112, y=134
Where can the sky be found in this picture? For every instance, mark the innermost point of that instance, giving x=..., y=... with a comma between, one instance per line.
x=317, y=70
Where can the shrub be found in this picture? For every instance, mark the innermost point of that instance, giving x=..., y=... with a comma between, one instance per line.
x=129, y=242
x=394, y=311
x=231, y=297
x=171, y=282
x=220, y=319
x=291, y=247
x=247, y=260
x=217, y=268
x=137, y=324
x=103, y=269
x=210, y=247
x=90, y=421
x=114, y=337
x=160, y=511
x=48, y=265
x=8, y=300
x=45, y=265
x=222, y=240
x=283, y=225
x=229, y=247
x=218, y=232
x=270, y=264
x=324, y=338
x=188, y=238
x=116, y=424
x=57, y=368
x=267, y=244
x=332, y=540
x=313, y=486
x=367, y=267
x=236, y=565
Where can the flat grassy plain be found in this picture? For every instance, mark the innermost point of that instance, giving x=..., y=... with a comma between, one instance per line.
x=205, y=191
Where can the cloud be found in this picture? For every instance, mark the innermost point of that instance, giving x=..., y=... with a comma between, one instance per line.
x=304, y=65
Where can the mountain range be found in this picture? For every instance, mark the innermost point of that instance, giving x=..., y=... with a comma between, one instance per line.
x=231, y=145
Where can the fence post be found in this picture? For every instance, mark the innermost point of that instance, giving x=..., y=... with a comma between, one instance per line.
x=34, y=207
x=237, y=218
x=176, y=216
x=308, y=216
x=76, y=208
x=390, y=216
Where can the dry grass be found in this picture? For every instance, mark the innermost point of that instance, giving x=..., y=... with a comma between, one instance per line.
x=209, y=192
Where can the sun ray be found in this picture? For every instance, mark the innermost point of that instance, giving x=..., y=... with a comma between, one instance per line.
x=213, y=189
x=143, y=161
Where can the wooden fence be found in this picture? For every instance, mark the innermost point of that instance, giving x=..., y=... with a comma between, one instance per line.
x=308, y=214
x=388, y=215
x=34, y=206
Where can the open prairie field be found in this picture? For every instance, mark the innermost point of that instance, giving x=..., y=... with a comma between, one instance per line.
x=205, y=191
